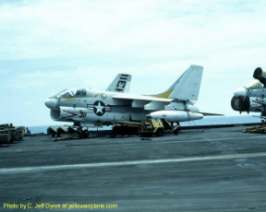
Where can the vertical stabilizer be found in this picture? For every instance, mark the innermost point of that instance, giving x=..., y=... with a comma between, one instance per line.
x=120, y=84
x=187, y=87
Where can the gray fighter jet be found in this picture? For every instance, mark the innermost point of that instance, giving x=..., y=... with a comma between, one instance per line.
x=252, y=98
x=117, y=105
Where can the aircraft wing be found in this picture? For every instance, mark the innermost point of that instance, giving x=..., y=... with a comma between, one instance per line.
x=150, y=102
x=141, y=98
x=211, y=114
x=145, y=102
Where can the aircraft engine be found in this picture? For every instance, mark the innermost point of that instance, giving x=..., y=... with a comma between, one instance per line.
x=260, y=75
x=69, y=114
x=240, y=103
x=175, y=116
x=248, y=104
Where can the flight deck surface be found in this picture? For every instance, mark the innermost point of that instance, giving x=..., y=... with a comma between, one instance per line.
x=219, y=169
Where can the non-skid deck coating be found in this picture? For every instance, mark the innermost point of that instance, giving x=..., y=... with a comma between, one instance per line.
x=199, y=170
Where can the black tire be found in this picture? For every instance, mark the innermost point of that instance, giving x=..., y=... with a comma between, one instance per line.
x=159, y=132
x=84, y=134
x=176, y=131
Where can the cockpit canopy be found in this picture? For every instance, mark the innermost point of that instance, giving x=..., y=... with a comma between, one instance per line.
x=73, y=93
x=81, y=93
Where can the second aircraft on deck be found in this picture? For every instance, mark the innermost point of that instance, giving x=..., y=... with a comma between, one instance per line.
x=252, y=97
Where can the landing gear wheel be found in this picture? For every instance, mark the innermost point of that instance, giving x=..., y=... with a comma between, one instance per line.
x=159, y=132
x=84, y=134
x=176, y=128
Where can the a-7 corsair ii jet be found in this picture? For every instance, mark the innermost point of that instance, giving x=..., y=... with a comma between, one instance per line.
x=117, y=106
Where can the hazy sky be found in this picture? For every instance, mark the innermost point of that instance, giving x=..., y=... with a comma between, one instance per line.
x=46, y=46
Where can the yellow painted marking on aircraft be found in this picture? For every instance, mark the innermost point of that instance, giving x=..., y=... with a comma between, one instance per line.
x=165, y=94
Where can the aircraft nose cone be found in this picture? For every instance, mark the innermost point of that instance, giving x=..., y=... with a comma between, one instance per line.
x=241, y=92
x=51, y=103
